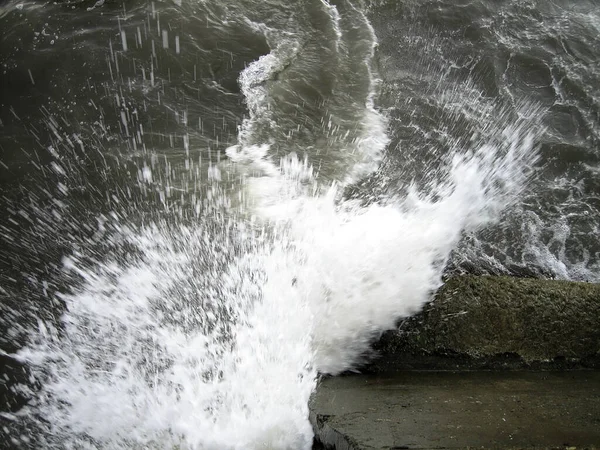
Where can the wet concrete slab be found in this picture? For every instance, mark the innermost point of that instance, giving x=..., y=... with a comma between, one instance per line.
x=426, y=410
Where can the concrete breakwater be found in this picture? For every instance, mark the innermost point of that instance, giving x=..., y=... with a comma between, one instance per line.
x=488, y=363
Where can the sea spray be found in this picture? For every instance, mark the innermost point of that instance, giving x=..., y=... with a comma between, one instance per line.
x=363, y=268
x=209, y=334
x=152, y=352
x=148, y=354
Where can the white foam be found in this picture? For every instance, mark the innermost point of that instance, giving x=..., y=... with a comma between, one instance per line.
x=254, y=85
x=129, y=370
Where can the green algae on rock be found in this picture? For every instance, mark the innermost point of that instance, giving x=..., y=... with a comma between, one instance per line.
x=499, y=322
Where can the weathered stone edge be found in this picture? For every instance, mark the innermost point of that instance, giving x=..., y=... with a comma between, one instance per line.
x=327, y=437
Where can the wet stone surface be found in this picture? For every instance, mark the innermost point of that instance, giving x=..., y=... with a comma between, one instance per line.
x=458, y=410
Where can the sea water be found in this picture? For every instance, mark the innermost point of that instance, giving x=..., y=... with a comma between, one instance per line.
x=212, y=203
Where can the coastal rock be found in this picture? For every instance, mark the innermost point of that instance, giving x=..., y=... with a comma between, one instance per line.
x=439, y=380
x=498, y=323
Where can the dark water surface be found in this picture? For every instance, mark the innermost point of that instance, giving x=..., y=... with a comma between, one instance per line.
x=147, y=148
x=454, y=67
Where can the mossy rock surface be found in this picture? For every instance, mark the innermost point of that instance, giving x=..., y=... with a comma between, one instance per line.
x=499, y=322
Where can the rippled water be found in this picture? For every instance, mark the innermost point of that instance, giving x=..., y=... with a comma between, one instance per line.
x=208, y=203
x=474, y=66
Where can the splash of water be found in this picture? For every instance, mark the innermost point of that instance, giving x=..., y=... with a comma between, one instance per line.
x=211, y=335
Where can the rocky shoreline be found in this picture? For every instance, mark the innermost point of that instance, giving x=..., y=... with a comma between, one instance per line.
x=515, y=356
x=487, y=322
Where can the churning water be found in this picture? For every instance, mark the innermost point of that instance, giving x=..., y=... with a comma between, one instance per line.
x=207, y=203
